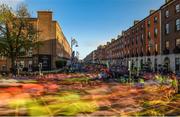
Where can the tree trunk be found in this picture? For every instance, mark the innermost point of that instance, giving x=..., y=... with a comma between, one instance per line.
x=13, y=68
x=178, y=86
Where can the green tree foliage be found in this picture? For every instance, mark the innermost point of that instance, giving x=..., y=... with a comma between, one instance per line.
x=17, y=34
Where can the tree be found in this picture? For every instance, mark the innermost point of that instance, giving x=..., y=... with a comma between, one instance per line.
x=17, y=34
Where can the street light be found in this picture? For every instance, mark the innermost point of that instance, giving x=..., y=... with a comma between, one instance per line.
x=73, y=43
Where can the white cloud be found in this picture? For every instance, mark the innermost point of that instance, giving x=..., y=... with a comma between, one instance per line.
x=12, y=3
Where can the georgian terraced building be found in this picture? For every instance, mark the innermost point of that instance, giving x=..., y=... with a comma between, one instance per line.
x=154, y=41
x=170, y=14
x=54, y=45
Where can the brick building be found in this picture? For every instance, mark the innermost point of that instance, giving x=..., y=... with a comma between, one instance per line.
x=153, y=41
x=54, y=45
x=170, y=13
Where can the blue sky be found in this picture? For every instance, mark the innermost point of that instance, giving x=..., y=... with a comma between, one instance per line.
x=92, y=22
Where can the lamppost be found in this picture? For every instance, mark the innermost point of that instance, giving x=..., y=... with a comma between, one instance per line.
x=73, y=43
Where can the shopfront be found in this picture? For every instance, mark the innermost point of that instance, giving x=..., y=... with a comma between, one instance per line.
x=45, y=60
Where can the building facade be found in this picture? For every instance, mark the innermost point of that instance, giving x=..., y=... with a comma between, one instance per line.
x=54, y=45
x=170, y=14
x=153, y=41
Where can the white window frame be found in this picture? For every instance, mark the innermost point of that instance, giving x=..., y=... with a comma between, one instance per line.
x=177, y=24
x=167, y=31
x=156, y=32
x=167, y=44
x=177, y=8
x=167, y=13
x=178, y=42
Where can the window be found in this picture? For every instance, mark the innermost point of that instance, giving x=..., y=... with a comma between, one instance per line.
x=136, y=39
x=167, y=13
x=30, y=52
x=149, y=23
x=22, y=50
x=21, y=64
x=167, y=44
x=4, y=67
x=142, y=27
x=167, y=29
x=177, y=24
x=155, y=32
x=155, y=19
x=177, y=62
x=177, y=8
x=142, y=36
x=149, y=35
x=156, y=47
x=141, y=39
x=177, y=42
x=132, y=41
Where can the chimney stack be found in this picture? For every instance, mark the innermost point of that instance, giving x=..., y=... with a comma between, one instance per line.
x=166, y=1
x=112, y=40
x=136, y=21
x=119, y=36
x=151, y=11
x=122, y=33
x=45, y=15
